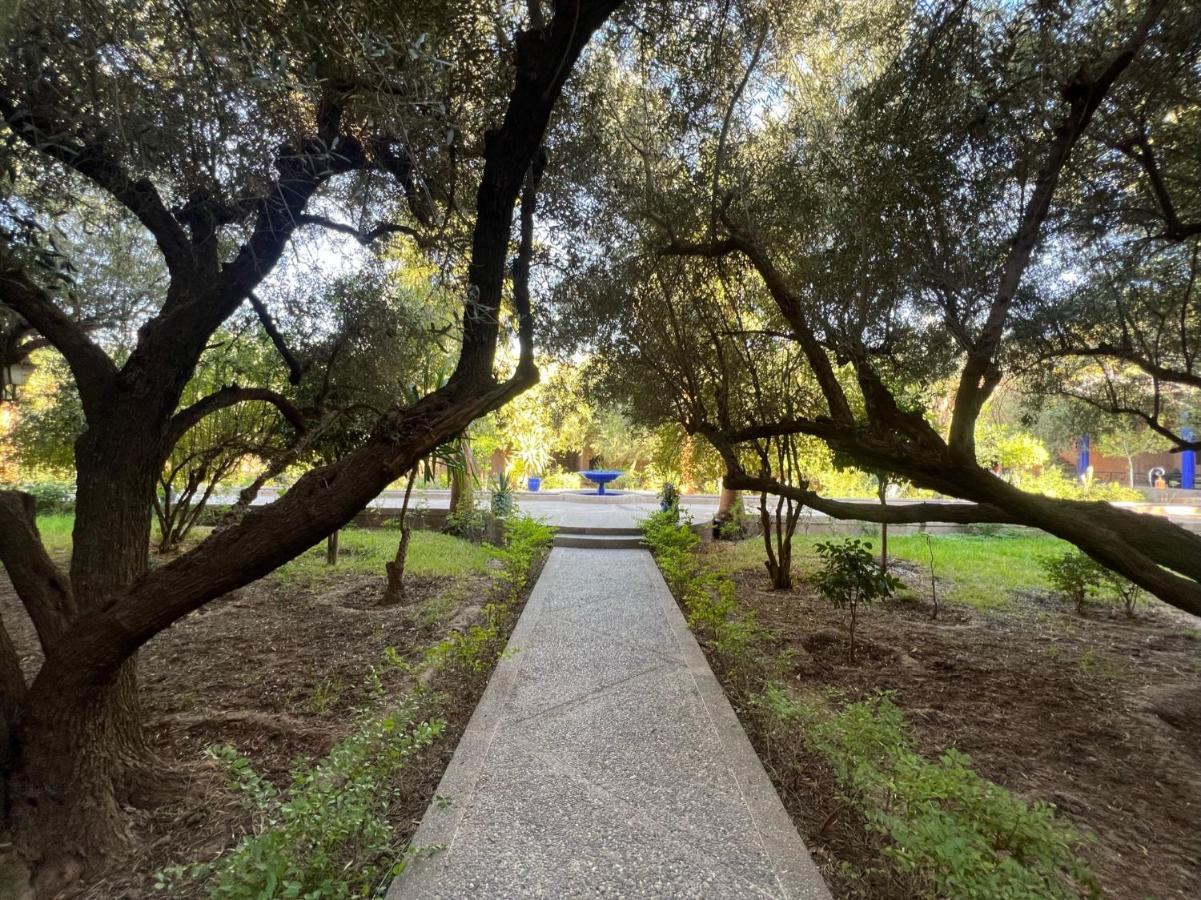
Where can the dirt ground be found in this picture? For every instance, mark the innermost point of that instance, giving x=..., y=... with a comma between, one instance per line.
x=1099, y=715
x=277, y=671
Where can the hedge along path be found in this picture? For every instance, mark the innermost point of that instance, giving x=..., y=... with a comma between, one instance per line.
x=605, y=760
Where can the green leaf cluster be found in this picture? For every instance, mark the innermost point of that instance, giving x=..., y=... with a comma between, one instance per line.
x=952, y=832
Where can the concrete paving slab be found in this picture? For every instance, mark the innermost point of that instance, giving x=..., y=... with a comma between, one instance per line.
x=604, y=760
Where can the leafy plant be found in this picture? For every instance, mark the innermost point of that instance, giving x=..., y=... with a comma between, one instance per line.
x=733, y=527
x=669, y=498
x=327, y=834
x=51, y=496
x=850, y=577
x=953, y=833
x=1074, y=574
x=1124, y=591
x=467, y=520
x=472, y=651
x=502, y=494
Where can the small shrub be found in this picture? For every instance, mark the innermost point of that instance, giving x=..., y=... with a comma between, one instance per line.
x=1075, y=575
x=51, y=496
x=473, y=651
x=951, y=832
x=851, y=577
x=326, y=835
x=672, y=543
x=467, y=521
x=502, y=495
x=1124, y=591
x=733, y=528
x=669, y=498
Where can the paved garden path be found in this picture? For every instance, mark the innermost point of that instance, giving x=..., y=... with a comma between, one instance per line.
x=605, y=761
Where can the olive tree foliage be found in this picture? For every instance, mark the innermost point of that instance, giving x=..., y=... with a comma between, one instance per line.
x=903, y=185
x=234, y=134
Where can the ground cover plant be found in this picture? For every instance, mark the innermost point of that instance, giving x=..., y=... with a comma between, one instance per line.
x=311, y=722
x=1006, y=756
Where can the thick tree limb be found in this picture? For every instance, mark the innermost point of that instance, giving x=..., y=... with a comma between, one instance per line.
x=521, y=265
x=1129, y=355
x=785, y=298
x=1151, y=420
x=326, y=498
x=896, y=514
x=1174, y=229
x=40, y=584
x=90, y=365
x=543, y=60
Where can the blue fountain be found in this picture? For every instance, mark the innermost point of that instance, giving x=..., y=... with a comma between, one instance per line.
x=601, y=477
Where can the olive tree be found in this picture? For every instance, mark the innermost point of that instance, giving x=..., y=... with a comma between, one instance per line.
x=227, y=132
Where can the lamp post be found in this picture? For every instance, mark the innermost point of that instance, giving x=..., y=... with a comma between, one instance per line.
x=14, y=375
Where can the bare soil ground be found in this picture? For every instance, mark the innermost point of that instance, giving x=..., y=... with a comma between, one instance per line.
x=276, y=670
x=1100, y=715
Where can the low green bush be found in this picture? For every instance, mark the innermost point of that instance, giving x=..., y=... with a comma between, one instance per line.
x=467, y=521
x=1124, y=591
x=327, y=834
x=51, y=496
x=475, y=649
x=1075, y=575
x=948, y=830
x=850, y=577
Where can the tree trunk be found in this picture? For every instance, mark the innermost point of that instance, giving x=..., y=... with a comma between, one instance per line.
x=83, y=761
x=726, y=502
x=779, y=552
x=82, y=755
x=331, y=548
x=882, y=492
x=394, y=592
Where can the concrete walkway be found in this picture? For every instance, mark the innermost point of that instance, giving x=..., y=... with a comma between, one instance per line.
x=605, y=761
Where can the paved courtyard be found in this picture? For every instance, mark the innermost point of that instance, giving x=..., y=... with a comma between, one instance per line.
x=605, y=761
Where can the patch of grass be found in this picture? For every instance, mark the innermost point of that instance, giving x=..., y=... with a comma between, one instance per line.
x=977, y=570
x=363, y=551
x=55, y=529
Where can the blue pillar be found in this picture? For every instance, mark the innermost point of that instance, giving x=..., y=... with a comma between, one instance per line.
x=1188, y=463
x=1082, y=456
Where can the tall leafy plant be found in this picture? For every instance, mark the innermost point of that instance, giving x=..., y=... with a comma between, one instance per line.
x=851, y=578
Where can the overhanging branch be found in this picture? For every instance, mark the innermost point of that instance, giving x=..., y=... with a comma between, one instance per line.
x=187, y=417
x=895, y=514
x=91, y=366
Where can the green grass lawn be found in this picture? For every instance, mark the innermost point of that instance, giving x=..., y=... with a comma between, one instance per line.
x=361, y=550
x=982, y=570
x=364, y=551
x=56, y=532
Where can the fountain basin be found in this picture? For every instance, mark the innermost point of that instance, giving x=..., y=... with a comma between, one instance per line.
x=601, y=477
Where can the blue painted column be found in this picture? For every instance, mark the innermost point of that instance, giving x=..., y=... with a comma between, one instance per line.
x=1188, y=462
x=1082, y=455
